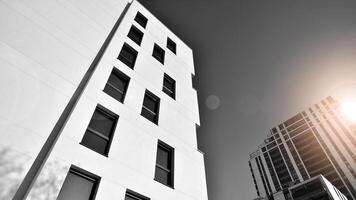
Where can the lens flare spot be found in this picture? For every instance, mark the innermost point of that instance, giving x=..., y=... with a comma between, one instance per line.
x=212, y=102
x=349, y=110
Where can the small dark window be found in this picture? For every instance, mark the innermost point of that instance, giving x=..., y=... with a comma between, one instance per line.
x=274, y=130
x=131, y=195
x=158, y=53
x=171, y=45
x=164, y=164
x=135, y=35
x=128, y=55
x=140, y=19
x=117, y=85
x=150, y=107
x=169, y=86
x=79, y=185
x=100, y=131
x=280, y=126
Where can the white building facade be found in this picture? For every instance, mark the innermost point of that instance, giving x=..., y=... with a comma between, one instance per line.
x=317, y=141
x=97, y=103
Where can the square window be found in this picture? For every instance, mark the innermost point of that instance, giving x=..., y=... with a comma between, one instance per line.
x=164, y=172
x=158, y=53
x=100, y=131
x=117, y=85
x=150, y=107
x=171, y=45
x=169, y=86
x=140, y=19
x=135, y=35
x=131, y=195
x=79, y=184
x=128, y=55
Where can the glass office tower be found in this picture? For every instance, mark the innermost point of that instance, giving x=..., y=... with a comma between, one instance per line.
x=317, y=141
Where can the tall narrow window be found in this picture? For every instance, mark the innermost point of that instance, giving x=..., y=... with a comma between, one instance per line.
x=169, y=86
x=117, y=85
x=165, y=164
x=150, y=108
x=158, y=53
x=171, y=45
x=100, y=131
x=135, y=35
x=140, y=19
x=79, y=185
x=128, y=55
x=131, y=195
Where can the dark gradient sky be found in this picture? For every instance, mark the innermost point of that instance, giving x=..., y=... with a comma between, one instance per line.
x=265, y=61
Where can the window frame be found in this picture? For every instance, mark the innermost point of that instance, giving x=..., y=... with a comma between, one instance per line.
x=170, y=80
x=125, y=60
x=171, y=45
x=160, y=50
x=141, y=19
x=109, y=139
x=135, y=195
x=134, y=30
x=157, y=100
x=116, y=72
x=86, y=175
x=171, y=152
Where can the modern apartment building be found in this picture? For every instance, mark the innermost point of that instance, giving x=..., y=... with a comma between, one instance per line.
x=97, y=103
x=316, y=188
x=317, y=141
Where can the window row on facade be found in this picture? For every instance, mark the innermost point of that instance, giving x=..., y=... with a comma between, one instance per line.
x=80, y=184
x=99, y=134
x=117, y=85
x=118, y=81
x=128, y=54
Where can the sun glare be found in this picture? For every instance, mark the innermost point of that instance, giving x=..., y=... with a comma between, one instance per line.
x=349, y=109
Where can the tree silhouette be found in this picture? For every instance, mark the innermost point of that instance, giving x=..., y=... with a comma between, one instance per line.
x=12, y=171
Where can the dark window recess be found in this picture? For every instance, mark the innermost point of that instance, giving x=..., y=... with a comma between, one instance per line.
x=135, y=35
x=171, y=45
x=117, y=85
x=79, y=185
x=150, y=107
x=274, y=130
x=164, y=164
x=131, y=195
x=100, y=131
x=128, y=55
x=311, y=190
x=193, y=81
x=140, y=19
x=169, y=86
x=263, y=180
x=280, y=126
x=158, y=53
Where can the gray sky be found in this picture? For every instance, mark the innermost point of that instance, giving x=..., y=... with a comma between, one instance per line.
x=264, y=61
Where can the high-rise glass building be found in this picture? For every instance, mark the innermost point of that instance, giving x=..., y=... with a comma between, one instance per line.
x=320, y=140
x=96, y=102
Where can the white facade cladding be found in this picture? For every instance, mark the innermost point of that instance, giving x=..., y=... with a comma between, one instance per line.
x=317, y=141
x=150, y=150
